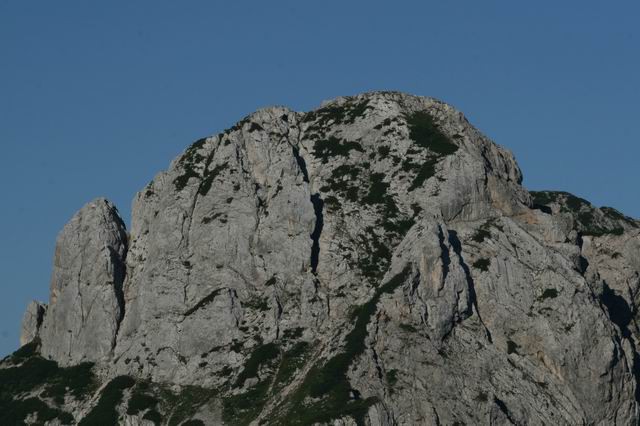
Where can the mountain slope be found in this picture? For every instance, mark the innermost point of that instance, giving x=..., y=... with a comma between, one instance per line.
x=375, y=261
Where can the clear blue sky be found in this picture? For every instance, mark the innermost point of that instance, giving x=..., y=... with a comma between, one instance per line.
x=96, y=97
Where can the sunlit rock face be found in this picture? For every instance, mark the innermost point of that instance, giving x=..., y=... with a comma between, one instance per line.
x=375, y=261
x=86, y=303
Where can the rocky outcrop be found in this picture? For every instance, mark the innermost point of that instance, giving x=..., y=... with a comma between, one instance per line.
x=86, y=303
x=375, y=261
x=32, y=321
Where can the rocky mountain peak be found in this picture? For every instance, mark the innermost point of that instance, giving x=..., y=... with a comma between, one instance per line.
x=86, y=302
x=373, y=261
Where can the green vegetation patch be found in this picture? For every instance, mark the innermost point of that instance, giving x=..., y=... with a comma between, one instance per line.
x=425, y=133
x=263, y=354
x=183, y=405
x=390, y=226
x=378, y=191
x=292, y=334
x=333, y=147
x=589, y=224
x=482, y=264
x=77, y=380
x=400, y=226
x=188, y=161
x=484, y=232
x=346, y=113
x=209, y=177
x=482, y=397
x=326, y=394
x=343, y=180
x=424, y=171
x=375, y=255
x=141, y=400
x=195, y=422
x=332, y=203
x=614, y=214
x=276, y=369
x=544, y=198
x=409, y=328
x=394, y=223
x=258, y=303
x=29, y=372
x=154, y=416
x=26, y=373
x=241, y=409
x=105, y=413
x=236, y=127
x=292, y=361
x=589, y=220
x=375, y=250
x=384, y=151
x=144, y=401
x=25, y=352
x=575, y=203
x=17, y=411
x=549, y=293
x=481, y=235
x=392, y=378
x=385, y=123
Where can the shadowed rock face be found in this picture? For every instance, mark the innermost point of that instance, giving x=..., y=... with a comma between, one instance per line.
x=375, y=261
x=32, y=321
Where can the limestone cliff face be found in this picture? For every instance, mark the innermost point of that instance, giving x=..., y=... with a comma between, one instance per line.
x=375, y=261
x=85, y=303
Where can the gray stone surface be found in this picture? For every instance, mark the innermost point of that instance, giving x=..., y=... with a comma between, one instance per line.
x=382, y=229
x=85, y=304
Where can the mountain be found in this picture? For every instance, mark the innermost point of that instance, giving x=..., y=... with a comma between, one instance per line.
x=372, y=262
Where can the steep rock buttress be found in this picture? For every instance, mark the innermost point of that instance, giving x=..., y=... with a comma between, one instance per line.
x=85, y=305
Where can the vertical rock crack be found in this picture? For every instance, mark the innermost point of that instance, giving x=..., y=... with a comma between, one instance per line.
x=318, y=206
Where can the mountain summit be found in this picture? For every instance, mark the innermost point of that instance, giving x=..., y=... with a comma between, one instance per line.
x=372, y=262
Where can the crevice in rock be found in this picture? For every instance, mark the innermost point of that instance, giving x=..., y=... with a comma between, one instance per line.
x=503, y=407
x=301, y=163
x=261, y=210
x=376, y=358
x=376, y=361
x=235, y=307
x=40, y=312
x=328, y=304
x=583, y=264
x=203, y=179
x=636, y=369
x=278, y=313
x=435, y=414
x=444, y=255
x=120, y=274
x=457, y=248
x=202, y=182
x=542, y=208
x=203, y=302
x=318, y=206
x=619, y=311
